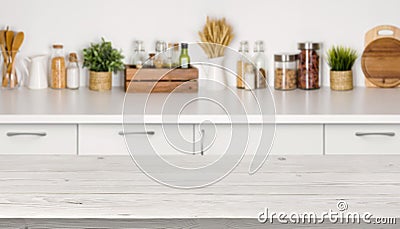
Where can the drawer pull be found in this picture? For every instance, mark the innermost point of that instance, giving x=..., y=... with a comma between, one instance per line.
x=388, y=134
x=203, y=133
x=39, y=134
x=137, y=133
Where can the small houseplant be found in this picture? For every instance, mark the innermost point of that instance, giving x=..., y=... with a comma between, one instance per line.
x=102, y=59
x=341, y=60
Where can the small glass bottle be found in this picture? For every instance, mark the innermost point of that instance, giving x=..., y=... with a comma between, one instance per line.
x=58, y=69
x=241, y=63
x=139, y=54
x=160, y=58
x=150, y=61
x=168, y=63
x=175, y=55
x=73, y=72
x=260, y=65
x=184, y=59
x=285, y=71
x=309, y=66
x=249, y=77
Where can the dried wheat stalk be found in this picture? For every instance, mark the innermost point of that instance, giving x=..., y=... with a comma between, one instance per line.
x=215, y=36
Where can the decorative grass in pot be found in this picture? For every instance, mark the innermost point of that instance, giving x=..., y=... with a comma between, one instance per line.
x=102, y=59
x=341, y=60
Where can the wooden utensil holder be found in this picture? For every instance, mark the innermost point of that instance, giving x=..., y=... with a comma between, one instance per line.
x=160, y=80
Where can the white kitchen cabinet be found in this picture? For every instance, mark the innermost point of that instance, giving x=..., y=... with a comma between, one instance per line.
x=38, y=139
x=362, y=139
x=101, y=140
x=298, y=140
x=161, y=139
x=289, y=139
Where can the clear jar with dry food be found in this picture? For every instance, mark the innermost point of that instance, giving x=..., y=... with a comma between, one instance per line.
x=309, y=76
x=58, y=76
x=285, y=71
x=241, y=64
x=73, y=72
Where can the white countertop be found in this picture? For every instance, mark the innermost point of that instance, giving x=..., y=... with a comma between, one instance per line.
x=361, y=105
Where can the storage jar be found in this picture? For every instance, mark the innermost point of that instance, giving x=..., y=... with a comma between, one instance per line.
x=285, y=71
x=309, y=76
x=58, y=76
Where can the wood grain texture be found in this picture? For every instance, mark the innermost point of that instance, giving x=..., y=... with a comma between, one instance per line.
x=113, y=187
x=381, y=57
x=162, y=86
x=153, y=80
x=210, y=223
x=160, y=74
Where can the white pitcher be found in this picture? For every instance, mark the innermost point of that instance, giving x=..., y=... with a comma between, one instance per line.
x=38, y=72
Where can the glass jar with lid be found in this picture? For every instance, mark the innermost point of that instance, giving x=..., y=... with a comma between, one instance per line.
x=285, y=71
x=309, y=76
x=58, y=76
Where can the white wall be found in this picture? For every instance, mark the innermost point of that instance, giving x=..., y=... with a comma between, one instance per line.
x=280, y=23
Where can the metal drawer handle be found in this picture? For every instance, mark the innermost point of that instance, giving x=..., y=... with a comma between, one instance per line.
x=40, y=134
x=137, y=133
x=203, y=133
x=389, y=134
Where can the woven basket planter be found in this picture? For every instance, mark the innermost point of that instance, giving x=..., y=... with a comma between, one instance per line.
x=341, y=80
x=100, y=81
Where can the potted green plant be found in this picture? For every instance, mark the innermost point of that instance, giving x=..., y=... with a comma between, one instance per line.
x=341, y=60
x=102, y=59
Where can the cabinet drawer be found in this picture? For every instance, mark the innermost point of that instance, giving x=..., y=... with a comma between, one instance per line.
x=101, y=140
x=362, y=139
x=298, y=140
x=109, y=139
x=289, y=139
x=38, y=139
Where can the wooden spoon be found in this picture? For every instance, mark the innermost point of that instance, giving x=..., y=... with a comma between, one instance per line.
x=9, y=36
x=9, y=41
x=16, y=44
x=3, y=44
x=5, y=54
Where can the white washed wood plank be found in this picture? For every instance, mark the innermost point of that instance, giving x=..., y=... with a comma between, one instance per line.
x=91, y=187
x=178, y=206
x=273, y=163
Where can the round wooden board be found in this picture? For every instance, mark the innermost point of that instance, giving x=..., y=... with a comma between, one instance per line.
x=381, y=62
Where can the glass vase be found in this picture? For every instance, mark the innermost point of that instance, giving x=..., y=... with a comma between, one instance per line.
x=9, y=73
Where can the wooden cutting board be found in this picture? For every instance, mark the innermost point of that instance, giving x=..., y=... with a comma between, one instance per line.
x=381, y=57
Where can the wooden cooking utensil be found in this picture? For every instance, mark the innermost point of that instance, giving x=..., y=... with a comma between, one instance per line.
x=4, y=52
x=9, y=40
x=3, y=44
x=381, y=58
x=16, y=44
